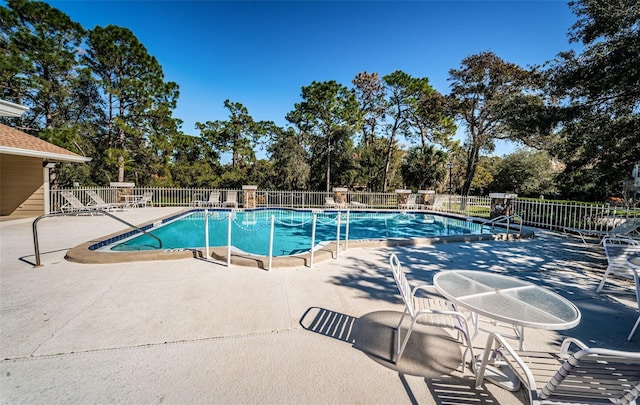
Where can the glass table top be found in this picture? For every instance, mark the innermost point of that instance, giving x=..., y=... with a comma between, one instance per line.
x=507, y=299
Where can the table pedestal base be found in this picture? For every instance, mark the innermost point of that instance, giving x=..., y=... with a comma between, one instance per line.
x=500, y=374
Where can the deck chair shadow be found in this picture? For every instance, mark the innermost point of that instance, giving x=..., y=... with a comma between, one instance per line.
x=587, y=375
x=231, y=200
x=99, y=203
x=427, y=311
x=72, y=203
x=618, y=249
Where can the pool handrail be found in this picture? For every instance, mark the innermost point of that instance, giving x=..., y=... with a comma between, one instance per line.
x=504, y=219
x=36, y=245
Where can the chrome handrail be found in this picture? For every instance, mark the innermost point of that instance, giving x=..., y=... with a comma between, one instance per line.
x=36, y=245
x=504, y=219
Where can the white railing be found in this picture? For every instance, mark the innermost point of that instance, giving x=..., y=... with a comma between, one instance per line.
x=585, y=217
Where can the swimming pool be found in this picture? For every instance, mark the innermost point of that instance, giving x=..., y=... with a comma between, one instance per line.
x=250, y=230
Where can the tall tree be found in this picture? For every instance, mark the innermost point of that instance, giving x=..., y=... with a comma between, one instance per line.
x=289, y=155
x=370, y=155
x=600, y=90
x=238, y=135
x=138, y=102
x=42, y=42
x=329, y=113
x=398, y=109
x=480, y=88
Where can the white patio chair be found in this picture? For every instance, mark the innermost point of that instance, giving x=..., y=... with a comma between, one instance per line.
x=427, y=311
x=214, y=199
x=197, y=200
x=99, y=203
x=145, y=200
x=587, y=376
x=232, y=199
x=617, y=250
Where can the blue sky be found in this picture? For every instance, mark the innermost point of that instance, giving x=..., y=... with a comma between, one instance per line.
x=261, y=53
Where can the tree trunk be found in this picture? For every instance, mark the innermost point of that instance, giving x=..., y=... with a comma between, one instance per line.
x=328, y=163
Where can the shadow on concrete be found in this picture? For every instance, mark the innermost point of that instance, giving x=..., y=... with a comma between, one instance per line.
x=430, y=352
x=564, y=265
x=452, y=390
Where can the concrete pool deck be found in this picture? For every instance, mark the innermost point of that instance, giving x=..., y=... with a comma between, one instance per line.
x=191, y=331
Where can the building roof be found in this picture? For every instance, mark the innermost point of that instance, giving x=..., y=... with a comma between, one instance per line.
x=14, y=142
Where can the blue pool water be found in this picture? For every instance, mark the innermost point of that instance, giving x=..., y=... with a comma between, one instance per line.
x=292, y=229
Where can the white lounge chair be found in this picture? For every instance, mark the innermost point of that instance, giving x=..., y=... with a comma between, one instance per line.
x=410, y=204
x=617, y=250
x=629, y=228
x=72, y=203
x=329, y=202
x=99, y=203
x=426, y=311
x=587, y=376
x=231, y=200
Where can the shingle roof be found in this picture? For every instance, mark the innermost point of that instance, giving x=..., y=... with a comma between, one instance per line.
x=15, y=142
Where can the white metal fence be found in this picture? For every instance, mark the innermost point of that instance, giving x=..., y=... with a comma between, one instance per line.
x=584, y=217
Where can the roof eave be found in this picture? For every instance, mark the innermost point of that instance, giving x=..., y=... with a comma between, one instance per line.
x=58, y=157
x=8, y=109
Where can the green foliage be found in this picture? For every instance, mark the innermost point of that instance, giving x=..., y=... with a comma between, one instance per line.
x=111, y=102
x=600, y=94
x=424, y=167
x=526, y=173
x=288, y=154
x=43, y=42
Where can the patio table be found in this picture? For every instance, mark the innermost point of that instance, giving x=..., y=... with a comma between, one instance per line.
x=510, y=300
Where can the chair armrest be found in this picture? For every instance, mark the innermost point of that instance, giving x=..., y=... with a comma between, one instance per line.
x=566, y=344
x=425, y=287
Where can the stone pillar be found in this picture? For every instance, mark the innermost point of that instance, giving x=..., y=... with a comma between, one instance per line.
x=340, y=195
x=249, y=196
x=403, y=197
x=427, y=197
x=502, y=204
x=122, y=189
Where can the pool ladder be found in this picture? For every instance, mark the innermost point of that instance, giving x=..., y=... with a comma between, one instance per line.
x=504, y=220
x=36, y=245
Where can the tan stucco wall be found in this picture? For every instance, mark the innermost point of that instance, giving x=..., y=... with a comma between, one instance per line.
x=21, y=186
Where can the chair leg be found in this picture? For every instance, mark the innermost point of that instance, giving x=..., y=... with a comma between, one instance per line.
x=398, y=332
x=405, y=341
x=634, y=329
x=604, y=278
